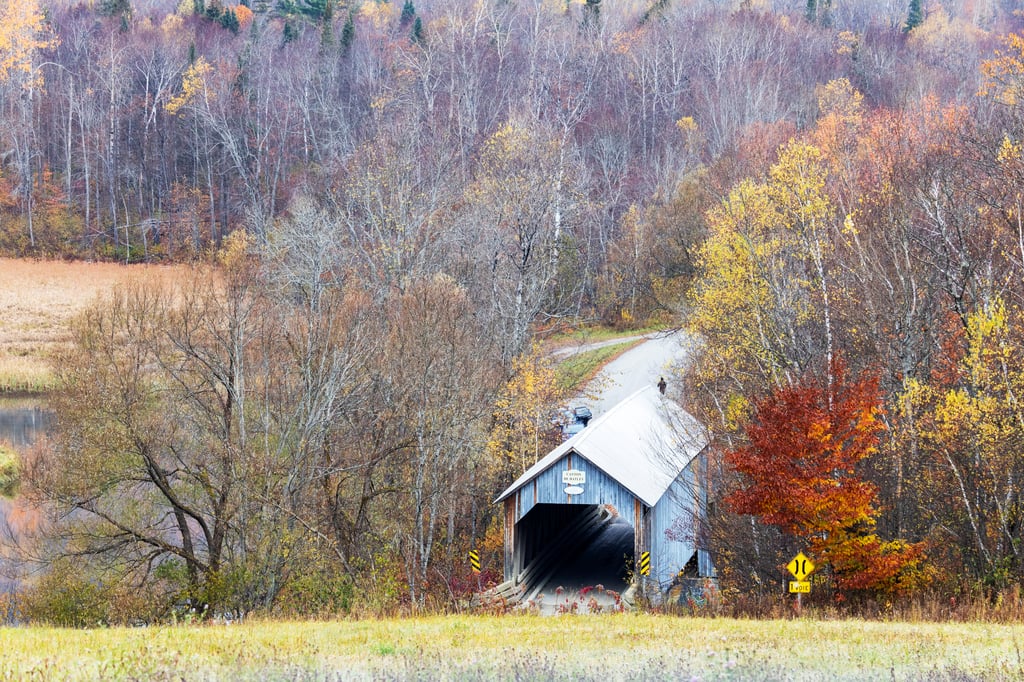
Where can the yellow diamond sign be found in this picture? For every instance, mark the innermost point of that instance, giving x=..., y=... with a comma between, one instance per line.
x=800, y=566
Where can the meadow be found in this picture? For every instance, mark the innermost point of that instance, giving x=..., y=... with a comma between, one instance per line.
x=37, y=300
x=606, y=647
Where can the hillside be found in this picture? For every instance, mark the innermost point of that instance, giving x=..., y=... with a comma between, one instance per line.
x=391, y=207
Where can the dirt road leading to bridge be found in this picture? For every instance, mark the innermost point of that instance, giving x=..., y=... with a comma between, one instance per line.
x=660, y=356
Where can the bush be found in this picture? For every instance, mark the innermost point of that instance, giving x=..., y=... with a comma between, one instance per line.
x=317, y=593
x=65, y=598
x=9, y=471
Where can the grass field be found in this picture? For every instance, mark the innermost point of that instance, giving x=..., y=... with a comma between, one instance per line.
x=37, y=299
x=611, y=647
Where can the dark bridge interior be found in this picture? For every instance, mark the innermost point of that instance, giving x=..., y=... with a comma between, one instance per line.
x=574, y=546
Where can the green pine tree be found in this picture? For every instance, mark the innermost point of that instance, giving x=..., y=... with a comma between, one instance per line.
x=591, y=13
x=314, y=9
x=408, y=13
x=416, y=35
x=229, y=20
x=348, y=34
x=115, y=8
x=213, y=11
x=915, y=15
x=289, y=33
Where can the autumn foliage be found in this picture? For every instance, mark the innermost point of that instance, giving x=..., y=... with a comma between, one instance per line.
x=800, y=465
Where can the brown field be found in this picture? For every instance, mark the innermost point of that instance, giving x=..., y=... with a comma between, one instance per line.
x=37, y=299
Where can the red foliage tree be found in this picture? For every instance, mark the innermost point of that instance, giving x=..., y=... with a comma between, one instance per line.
x=800, y=468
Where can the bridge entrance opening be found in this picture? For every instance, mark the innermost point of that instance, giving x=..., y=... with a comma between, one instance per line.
x=573, y=547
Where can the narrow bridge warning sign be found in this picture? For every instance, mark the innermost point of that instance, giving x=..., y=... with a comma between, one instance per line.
x=800, y=566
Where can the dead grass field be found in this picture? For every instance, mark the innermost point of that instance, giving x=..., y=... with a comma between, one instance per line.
x=571, y=648
x=37, y=299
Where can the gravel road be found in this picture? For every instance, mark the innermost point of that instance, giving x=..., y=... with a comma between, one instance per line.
x=636, y=368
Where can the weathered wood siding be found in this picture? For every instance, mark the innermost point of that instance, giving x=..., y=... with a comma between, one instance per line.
x=676, y=526
x=547, y=488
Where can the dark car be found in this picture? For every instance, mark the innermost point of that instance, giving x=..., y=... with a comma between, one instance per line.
x=575, y=421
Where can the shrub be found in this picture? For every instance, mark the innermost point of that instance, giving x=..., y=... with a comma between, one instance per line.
x=66, y=598
x=9, y=471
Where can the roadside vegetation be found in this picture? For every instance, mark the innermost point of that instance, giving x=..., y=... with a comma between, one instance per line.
x=577, y=369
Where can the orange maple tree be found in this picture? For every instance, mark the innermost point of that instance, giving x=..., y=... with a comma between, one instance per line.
x=800, y=467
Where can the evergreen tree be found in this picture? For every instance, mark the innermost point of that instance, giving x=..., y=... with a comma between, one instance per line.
x=213, y=11
x=348, y=33
x=915, y=16
x=408, y=13
x=114, y=8
x=327, y=26
x=289, y=33
x=229, y=20
x=416, y=35
x=314, y=9
x=591, y=13
x=655, y=10
x=198, y=6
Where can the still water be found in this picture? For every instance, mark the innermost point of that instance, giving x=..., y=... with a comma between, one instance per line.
x=22, y=426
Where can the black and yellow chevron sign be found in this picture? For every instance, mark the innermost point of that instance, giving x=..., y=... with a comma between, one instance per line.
x=474, y=560
x=645, y=563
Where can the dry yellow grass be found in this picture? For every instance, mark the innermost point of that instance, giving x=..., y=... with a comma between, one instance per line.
x=37, y=300
x=611, y=647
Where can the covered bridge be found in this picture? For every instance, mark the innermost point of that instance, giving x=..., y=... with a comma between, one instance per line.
x=642, y=462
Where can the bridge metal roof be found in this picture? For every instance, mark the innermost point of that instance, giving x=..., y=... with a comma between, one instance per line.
x=644, y=443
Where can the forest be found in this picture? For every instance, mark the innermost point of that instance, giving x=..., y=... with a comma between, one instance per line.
x=387, y=209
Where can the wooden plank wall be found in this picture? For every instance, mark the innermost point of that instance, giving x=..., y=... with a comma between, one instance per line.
x=599, y=488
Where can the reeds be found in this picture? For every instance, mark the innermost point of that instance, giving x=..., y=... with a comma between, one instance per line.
x=37, y=300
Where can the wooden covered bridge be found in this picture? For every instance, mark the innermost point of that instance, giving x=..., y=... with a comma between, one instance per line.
x=643, y=463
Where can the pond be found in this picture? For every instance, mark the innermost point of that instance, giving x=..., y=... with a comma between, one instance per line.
x=23, y=425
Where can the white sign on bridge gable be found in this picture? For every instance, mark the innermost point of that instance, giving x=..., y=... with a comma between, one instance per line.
x=574, y=477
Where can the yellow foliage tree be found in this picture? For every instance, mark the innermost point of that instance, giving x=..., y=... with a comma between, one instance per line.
x=763, y=303
x=523, y=413
x=1004, y=75
x=23, y=32
x=971, y=424
x=193, y=84
x=244, y=15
